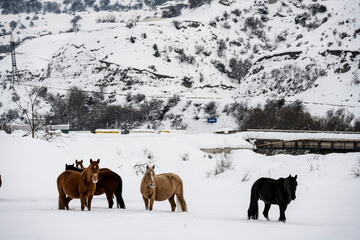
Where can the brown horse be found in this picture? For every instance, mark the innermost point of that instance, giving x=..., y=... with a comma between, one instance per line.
x=79, y=164
x=72, y=184
x=109, y=183
x=161, y=187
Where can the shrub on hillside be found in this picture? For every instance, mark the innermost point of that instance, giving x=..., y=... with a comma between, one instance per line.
x=198, y=3
x=187, y=82
x=317, y=8
x=106, y=19
x=253, y=23
x=239, y=68
x=173, y=101
x=237, y=110
x=210, y=109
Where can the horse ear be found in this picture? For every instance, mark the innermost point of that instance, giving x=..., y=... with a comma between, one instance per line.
x=91, y=161
x=153, y=167
x=81, y=161
x=147, y=167
x=289, y=176
x=98, y=161
x=295, y=177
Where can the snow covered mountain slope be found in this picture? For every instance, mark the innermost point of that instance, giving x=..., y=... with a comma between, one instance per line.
x=243, y=51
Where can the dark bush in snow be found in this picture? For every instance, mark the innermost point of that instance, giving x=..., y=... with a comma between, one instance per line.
x=198, y=3
x=211, y=109
x=237, y=110
x=157, y=53
x=239, y=68
x=173, y=101
x=253, y=23
x=187, y=82
x=317, y=8
x=183, y=57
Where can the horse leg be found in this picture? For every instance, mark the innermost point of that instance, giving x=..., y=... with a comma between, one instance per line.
x=82, y=201
x=172, y=203
x=146, y=201
x=109, y=196
x=120, y=201
x=67, y=200
x=282, y=213
x=89, y=202
x=266, y=211
x=62, y=195
x=152, y=199
x=62, y=202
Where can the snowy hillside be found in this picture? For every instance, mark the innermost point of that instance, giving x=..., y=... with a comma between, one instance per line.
x=326, y=206
x=226, y=51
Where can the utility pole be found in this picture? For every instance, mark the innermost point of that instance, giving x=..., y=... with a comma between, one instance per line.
x=13, y=61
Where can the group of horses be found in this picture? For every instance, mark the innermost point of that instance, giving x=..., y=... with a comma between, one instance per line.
x=84, y=183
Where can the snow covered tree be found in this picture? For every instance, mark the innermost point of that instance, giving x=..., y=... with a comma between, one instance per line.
x=28, y=101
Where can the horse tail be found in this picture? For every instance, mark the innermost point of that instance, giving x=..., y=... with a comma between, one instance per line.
x=180, y=200
x=118, y=193
x=253, y=211
x=178, y=204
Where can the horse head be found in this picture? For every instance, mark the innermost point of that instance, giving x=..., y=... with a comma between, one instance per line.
x=79, y=164
x=93, y=170
x=290, y=186
x=149, y=176
x=68, y=166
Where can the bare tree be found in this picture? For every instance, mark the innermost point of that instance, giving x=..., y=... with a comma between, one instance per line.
x=28, y=102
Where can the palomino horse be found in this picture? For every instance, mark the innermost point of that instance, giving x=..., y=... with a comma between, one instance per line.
x=280, y=192
x=72, y=184
x=161, y=187
x=109, y=183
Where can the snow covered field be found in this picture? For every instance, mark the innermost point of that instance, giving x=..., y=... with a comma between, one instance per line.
x=326, y=206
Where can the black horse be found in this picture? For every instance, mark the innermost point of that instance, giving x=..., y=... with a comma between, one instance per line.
x=272, y=191
x=72, y=167
x=109, y=183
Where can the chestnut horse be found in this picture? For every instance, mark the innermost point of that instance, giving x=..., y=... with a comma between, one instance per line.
x=72, y=184
x=79, y=164
x=109, y=183
x=161, y=187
